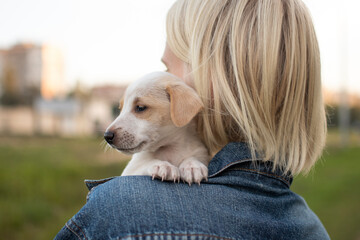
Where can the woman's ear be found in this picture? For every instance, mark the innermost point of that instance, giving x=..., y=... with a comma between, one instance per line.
x=184, y=103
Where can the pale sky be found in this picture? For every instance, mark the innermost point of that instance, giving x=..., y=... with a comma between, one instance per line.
x=117, y=41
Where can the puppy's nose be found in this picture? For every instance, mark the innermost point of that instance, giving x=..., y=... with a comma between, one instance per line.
x=109, y=137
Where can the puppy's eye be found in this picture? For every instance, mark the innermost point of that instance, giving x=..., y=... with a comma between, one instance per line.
x=140, y=108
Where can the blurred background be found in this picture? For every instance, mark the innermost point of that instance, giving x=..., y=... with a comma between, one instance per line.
x=64, y=65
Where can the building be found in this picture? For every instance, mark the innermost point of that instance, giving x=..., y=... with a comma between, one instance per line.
x=110, y=93
x=30, y=70
x=52, y=72
x=57, y=117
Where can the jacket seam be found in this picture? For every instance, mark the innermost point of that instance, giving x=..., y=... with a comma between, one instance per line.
x=173, y=234
x=233, y=163
x=264, y=173
x=72, y=230
x=78, y=228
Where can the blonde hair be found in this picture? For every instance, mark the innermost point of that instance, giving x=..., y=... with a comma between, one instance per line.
x=256, y=66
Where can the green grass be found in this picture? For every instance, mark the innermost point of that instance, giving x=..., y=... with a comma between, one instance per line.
x=332, y=191
x=42, y=184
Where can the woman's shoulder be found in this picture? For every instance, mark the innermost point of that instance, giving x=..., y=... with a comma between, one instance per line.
x=136, y=207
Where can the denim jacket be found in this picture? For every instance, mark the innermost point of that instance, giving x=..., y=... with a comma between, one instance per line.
x=241, y=200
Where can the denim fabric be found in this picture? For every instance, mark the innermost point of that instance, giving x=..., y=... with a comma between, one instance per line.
x=241, y=200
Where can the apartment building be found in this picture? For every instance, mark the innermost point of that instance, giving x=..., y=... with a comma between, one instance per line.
x=28, y=69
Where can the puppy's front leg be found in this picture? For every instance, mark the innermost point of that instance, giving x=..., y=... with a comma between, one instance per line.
x=192, y=170
x=145, y=164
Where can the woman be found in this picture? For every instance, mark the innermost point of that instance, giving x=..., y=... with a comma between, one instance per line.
x=256, y=66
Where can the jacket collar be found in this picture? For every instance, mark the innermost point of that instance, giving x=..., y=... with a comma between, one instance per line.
x=233, y=153
x=239, y=153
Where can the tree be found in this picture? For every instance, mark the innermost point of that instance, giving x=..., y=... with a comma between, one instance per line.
x=11, y=95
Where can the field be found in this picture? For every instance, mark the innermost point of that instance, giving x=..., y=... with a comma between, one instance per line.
x=42, y=184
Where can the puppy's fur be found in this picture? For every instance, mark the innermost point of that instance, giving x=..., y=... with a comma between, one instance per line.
x=156, y=126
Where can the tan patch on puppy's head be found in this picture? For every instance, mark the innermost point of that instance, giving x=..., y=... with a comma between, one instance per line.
x=185, y=104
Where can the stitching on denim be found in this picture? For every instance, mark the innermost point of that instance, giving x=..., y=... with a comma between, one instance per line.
x=264, y=173
x=174, y=234
x=72, y=230
x=79, y=229
x=250, y=159
x=233, y=163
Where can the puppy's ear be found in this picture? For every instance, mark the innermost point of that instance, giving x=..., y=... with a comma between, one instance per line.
x=184, y=103
x=121, y=103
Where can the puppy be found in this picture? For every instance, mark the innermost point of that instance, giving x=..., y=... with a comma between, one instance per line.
x=156, y=126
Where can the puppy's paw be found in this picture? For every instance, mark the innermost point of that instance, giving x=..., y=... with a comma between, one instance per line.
x=192, y=170
x=164, y=171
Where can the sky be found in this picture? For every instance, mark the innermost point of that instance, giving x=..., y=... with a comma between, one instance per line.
x=117, y=41
x=337, y=24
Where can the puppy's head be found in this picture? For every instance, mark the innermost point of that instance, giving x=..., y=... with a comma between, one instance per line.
x=153, y=108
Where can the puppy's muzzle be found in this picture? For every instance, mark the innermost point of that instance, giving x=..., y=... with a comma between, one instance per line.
x=122, y=140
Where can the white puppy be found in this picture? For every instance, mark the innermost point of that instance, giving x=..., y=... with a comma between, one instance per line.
x=155, y=124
